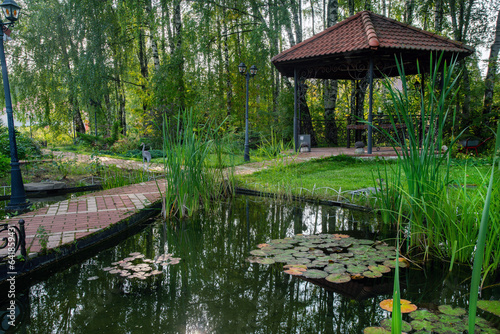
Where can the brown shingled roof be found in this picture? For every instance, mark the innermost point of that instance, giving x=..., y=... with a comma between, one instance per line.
x=360, y=36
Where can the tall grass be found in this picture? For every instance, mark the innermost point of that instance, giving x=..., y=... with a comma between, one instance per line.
x=425, y=168
x=481, y=241
x=190, y=183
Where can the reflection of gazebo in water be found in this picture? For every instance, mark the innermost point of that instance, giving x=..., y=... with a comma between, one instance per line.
x=361, y=47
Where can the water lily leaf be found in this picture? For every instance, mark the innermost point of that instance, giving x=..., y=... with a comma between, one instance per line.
x=93, y=278
x=135, y=253
x=364, y=242
x=387, y=324
x=492, y=306
x=376, y=330
x=406, y=305
x=299, y=261
x=108, y=268
x=313, y=273
x=335, y=268
x=175, y=260
x=272, y=251
x=422, y=324
x=356, y=269
x=265, y=261
x=341, y=236
x=372, y=274
x=251, y=259
x=294, y=271
x=338, y=278
x=262, y=245
x=448, y=319
x=282, y=246
x=300, y=267
x=380, y=268
x=282, y=258
x=447, y=309
x=115, y=271
x=258, y=252
x=301, y=249
x=424, y=315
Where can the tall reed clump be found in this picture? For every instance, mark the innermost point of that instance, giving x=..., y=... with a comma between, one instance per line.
x=190, y=183
x=481, y=240
x=425, y=169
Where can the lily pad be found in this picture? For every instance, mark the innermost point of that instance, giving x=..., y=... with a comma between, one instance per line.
x=313, y=273
x=448, y=319
x=258, y=252
x=265, y=260
x=406, y=305
x=380, y=268
x=338, y=278
x=422, y=324
x=372, y=274
x=492, y=306
x=424, y=315
x=387, y=324
x=447, y=309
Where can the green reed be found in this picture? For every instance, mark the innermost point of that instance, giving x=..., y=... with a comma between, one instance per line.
x=190, y=183
x=425, y=169
x=481, y=240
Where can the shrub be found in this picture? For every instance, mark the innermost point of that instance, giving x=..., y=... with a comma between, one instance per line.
x=4, y=165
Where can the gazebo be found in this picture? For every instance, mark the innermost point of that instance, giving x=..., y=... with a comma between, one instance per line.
x=363, y=46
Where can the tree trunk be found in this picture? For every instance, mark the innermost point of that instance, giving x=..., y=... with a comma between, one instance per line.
x=438, y=16
x=489, y=82
x=410, y=5
x=229, y=86
x=305, y=115
x=331, y=86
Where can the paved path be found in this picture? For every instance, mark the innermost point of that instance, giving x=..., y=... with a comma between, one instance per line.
x=75, y=218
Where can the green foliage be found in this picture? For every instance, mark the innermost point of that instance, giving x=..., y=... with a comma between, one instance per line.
x=482, y=239
x=26, y=147
x=189, y=183
x=43, y=237
x=4, y=165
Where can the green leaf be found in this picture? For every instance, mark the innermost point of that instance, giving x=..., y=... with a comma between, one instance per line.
x=447, y=309
x=492, y=306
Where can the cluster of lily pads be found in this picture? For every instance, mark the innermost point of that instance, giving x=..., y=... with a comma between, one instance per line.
x=139, y=267
x=337, y=258
x=447, y=320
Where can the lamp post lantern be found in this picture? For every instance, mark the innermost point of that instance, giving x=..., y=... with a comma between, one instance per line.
x=243, y=71
x=18, y=200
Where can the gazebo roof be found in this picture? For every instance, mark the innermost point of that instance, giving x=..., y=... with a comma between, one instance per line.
x=343, y=50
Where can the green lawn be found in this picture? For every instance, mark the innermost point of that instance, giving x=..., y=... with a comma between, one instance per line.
x=325, y=178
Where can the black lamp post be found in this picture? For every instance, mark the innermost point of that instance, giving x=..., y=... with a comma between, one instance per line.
x=253, y=71
x=18, y=200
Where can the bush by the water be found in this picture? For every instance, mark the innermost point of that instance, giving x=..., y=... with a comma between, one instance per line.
x=26, y=147
x=4, y=165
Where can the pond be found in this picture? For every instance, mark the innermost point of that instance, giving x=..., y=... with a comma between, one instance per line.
x=214, y=289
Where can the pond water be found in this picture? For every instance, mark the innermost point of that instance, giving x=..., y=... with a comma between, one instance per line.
x=213, y=289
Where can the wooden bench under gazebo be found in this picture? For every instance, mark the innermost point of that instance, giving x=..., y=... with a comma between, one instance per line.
x=363, y=46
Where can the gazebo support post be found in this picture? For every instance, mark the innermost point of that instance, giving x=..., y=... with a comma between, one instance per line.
x=295, y=109
x=370, y=107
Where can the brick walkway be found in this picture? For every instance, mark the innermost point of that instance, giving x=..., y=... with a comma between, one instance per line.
x=72, y=219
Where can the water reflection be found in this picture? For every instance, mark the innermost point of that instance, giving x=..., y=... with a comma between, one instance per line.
x=213, y=289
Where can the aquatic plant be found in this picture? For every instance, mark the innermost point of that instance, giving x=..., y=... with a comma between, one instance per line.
x=445, y=319
x=189, y=182
x=137, y=266
x=481, y=240
x=336, y=258
x=426, y=169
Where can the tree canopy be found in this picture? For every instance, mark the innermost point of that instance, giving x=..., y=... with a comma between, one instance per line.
x=84, y=65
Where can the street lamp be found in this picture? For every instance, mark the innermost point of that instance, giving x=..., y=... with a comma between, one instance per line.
x=18, y=200
x=253, y=71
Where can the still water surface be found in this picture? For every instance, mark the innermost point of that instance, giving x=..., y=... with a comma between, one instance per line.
x=214, y=290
